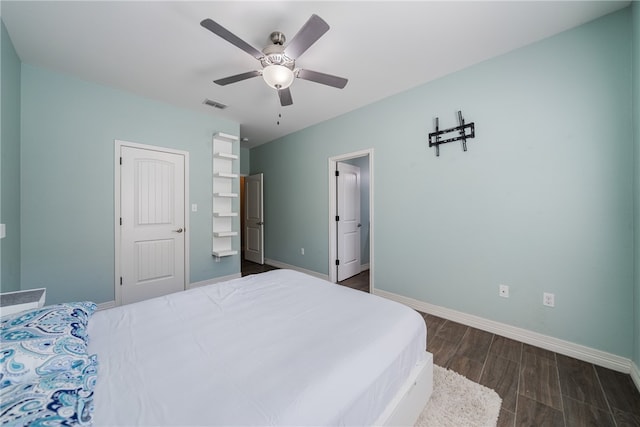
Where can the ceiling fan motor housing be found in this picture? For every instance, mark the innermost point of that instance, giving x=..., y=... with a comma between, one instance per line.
x=274, y=55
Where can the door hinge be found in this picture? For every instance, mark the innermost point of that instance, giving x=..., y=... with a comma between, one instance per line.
x=337, y=262
x=120, y=280
x=120, y=160
x=337, y=218
x=120, y=220
x=337, y=173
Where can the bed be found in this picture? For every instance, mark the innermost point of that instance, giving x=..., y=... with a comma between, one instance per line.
x=276, y=348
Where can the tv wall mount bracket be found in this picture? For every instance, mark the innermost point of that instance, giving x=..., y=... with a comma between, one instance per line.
x=463, y=132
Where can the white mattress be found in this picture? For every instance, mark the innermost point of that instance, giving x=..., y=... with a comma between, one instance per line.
x=278, y=348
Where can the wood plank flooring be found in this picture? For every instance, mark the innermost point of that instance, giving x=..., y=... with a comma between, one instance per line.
x=249, y=267
x=538, y=387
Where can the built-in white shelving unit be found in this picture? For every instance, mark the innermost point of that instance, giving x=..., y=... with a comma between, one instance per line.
x=225, y=185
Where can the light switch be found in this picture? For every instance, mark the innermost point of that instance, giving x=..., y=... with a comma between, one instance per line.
x=194, y=207
x=2, y=231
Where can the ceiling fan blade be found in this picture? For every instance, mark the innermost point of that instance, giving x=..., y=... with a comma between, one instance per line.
x=322, y=78
x=285, y=97
x=310, y=32
x=238, y=77
x=219, y=30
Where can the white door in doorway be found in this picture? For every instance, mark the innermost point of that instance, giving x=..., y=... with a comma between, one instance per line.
x=152, y=206
x=254, y=219
x=348, y=183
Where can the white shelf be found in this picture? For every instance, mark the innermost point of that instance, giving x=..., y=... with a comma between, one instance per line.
x=225, y=233
x=225, y=175
x=226, y=156
x=226, y=137
x=224, y=253
x=225, y=194
x=224, y=214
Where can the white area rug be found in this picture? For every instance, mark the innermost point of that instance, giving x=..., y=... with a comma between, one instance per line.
x=459, y=402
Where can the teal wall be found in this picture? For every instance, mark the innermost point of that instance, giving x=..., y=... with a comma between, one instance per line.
x=245, y=160
x=542, y=201
x=636, y=128
x=9, y=164
x=67, y=187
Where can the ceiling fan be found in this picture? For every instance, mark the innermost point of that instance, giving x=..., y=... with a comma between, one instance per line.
x=279, y=61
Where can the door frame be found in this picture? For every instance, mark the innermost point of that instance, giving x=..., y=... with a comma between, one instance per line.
x=333, y=241
x=118, y=144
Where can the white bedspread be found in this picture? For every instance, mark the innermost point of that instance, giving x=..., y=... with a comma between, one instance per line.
x=278, y=348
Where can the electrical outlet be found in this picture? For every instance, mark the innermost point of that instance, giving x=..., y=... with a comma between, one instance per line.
x=302, y=251
x=549, y=299
x=504, y=291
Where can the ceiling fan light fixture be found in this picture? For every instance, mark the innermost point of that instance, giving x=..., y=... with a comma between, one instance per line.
x=278, y=76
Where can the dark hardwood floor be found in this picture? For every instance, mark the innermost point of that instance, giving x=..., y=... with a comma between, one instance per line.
x=248, y=267
x=359, y=282
x=538, y=387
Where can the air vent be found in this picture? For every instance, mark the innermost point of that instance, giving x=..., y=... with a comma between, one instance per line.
x=214, y=104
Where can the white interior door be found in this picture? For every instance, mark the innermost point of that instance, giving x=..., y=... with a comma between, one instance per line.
x=348, y=183
x=254, y=219
x=152, y=205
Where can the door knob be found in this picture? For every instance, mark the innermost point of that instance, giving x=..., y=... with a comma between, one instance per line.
x=179, y=230
x=261, y=223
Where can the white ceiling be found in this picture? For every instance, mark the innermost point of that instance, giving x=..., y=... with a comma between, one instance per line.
x=158, y=49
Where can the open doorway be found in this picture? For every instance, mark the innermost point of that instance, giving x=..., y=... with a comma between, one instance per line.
x=252, y=225
x=342, y=235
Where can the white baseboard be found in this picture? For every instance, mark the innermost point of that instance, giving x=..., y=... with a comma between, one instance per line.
x=106, y=305
x=577, y=351
x=213, y=280
x=635, y=374
x=273, y=262
x=293, y=267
